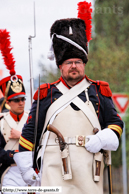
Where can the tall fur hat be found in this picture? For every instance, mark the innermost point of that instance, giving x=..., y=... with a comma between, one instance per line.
x=69, y=37
x=11, y=86
x=74, y=29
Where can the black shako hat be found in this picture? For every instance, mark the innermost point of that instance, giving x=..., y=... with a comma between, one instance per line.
x=73, y=29
x=11, y=86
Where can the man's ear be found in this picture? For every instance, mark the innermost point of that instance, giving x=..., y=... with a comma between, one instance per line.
x=60, y=67
x=7, y=105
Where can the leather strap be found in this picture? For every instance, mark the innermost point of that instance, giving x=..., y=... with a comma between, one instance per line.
x=68, y=140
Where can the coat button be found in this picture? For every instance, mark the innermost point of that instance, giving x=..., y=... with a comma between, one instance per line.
x=34, y=177
x=97, y=103
x=97, y=111
x=10, y=154
x=96, y=94
x=55, y=98
x=4, y=133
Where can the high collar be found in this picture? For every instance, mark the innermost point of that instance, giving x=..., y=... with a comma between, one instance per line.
x=63, y=81
x=16, y=117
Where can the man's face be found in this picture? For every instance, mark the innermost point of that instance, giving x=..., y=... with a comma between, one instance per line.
x=17, y=105
x=72, y=70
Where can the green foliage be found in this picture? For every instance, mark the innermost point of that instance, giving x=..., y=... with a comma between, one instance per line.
x=108, y=54
x=53, y=77
x=117, y=157
x=48, y=73
x=109, y=62
x=111, y=20
x=126, y=120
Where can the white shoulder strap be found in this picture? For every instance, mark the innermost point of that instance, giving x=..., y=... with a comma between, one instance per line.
x=87, y=111
x=64, y=101
x=11, y=122
x=12, y=142
x=82, y=106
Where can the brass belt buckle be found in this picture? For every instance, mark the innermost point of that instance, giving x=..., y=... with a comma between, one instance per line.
x=80, y=140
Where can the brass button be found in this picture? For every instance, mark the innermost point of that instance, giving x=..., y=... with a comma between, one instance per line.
x=34, y=177
x=11, y=155
x=97, y=111
x=97, y=103
x=80, y=140
x=96, y=94
x=55, y=98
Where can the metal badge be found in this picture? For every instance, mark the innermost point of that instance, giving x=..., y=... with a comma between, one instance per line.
x=16, y=86
x=80, y=140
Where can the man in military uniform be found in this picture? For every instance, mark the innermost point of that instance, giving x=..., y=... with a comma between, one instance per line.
x=11, y=124
x=75, y=106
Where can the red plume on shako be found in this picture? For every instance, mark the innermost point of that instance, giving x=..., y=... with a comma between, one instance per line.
x=11, y=86
x=84, y=13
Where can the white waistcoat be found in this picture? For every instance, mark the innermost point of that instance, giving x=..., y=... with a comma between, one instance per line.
x=71, y=123
x=6, y=124
x=11, y=144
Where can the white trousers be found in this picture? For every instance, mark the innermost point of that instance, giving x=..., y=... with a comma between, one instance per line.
x=13, y=178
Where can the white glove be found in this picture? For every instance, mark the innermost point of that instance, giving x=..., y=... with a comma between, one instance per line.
x=24, y=163
x=105, y=139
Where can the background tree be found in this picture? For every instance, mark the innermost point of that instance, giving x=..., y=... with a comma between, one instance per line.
x=48, y=72
x=126, y=120
x=108, y=52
